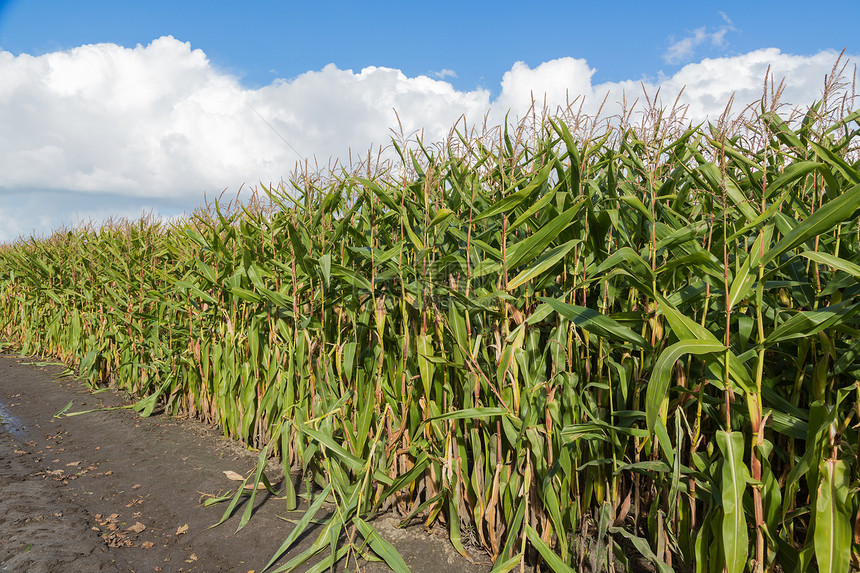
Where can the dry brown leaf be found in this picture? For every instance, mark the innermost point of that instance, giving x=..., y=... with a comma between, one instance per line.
x=191, y=558
x=137, y=527
x=623, y=510
x=260, y=485
x=117, y=540
x=233, y=475
x=147, y=544
x=182, y=529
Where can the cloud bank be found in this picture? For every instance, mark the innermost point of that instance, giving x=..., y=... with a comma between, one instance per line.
x=105, y=130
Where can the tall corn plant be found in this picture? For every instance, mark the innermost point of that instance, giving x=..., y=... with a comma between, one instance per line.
x=568, y=345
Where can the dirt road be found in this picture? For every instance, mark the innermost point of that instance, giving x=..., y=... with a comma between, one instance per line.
x=110, y=491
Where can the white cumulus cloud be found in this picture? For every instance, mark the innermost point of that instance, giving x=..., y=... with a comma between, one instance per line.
x=105, y=130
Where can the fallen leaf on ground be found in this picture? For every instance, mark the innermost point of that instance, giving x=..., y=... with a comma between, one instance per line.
x=147, y=544
x=233, y=475
x=260, y=485
x=117, y=540
x=182, y=529
x=137, y=527
x=191, y=558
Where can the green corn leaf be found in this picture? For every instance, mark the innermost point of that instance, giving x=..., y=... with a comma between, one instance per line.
x=809, y=322
x=441, y=216
x=259, y=477
x=638, y=205
x=457, y=324
x=592, y=321
x=635, y=264
x=289, y=489
x=833, y=523
x=554, y=561
x=537, y=207
x=828, y=156
x=407, y=478
x=351, y=277
x=380, y=546
x=525, y=251
x=543, y=264
x=64, y=409
x=792, y=173
x=326, y=440
x=380, y=193
x=656, y=394
x=821, y=221
x=780, y=127
x=516, y=519
x=454, y=534
x=686, y=328
x=745, y=277
x=508, y=565
x=733, y=479
x=510, y=201
x=425, y=351
x=300, y=528
x=644, y=548
x=206, y=297
x=715, y=179
x=835, y=262
x=245, y=294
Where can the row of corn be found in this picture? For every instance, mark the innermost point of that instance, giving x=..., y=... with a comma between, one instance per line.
x=581, y=351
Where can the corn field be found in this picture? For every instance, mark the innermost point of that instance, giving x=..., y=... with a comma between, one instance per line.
x=579, y=349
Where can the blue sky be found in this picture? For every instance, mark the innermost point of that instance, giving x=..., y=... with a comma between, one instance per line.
x=110, y=108
x=479, y=41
